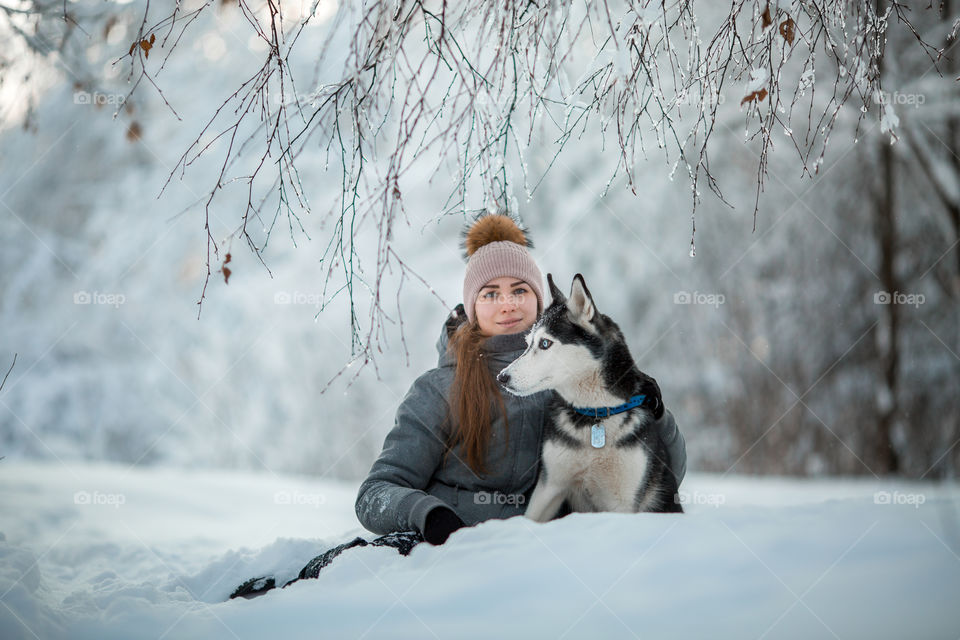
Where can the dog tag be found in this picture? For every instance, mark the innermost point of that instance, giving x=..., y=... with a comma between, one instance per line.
x=598, y=436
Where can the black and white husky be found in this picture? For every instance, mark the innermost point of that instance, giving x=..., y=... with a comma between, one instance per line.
x=600, y=452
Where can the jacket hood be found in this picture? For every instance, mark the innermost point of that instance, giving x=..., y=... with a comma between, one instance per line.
x=503, y=349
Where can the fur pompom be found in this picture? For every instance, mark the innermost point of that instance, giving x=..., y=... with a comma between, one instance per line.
x=493, y=227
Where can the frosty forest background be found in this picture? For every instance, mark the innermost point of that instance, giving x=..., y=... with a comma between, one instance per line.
x=229, y=240
x=230, y=229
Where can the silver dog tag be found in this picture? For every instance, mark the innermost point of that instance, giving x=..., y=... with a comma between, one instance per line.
x=598, y=437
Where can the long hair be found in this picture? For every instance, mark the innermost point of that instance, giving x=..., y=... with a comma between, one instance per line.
x=475, y=399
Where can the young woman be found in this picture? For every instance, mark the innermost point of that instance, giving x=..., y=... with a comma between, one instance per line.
x=461, y=451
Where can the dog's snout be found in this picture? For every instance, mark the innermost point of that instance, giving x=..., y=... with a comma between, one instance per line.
x=503, y=377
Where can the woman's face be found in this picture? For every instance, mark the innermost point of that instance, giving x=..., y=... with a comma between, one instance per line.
x=505, y=305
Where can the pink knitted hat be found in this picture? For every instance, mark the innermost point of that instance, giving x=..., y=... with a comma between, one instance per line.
x=497, y=247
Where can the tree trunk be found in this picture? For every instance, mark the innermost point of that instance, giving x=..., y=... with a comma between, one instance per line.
x=885, y=456
x=953, y=135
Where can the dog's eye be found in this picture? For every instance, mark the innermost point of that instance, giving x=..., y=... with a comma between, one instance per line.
x=544, y=343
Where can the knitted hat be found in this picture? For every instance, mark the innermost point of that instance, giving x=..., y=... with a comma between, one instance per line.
x=496, y=246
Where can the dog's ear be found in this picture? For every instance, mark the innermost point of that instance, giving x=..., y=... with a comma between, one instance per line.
x=555, y=292
x=581, y=302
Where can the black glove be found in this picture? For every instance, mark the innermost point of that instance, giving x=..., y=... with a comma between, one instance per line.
x=441, y=522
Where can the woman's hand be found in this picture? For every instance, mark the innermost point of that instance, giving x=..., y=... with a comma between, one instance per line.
x=441, y=522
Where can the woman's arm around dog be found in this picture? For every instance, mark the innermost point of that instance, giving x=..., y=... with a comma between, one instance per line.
x=671, y=437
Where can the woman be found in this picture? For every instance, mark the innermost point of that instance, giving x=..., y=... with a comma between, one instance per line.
x=460, y=451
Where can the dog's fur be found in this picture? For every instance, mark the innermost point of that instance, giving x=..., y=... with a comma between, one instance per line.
x=581, y=354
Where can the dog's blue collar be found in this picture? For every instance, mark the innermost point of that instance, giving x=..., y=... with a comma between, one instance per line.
x=603, y=412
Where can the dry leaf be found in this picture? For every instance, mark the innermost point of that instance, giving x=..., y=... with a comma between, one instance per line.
x=786, y=30
x=225, y=269
x=755, y=96
x=146, y=45
x=766, y=17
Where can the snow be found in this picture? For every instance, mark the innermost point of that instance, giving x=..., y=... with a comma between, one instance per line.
x=109, y=551
x=758, y=79
x=889, y=120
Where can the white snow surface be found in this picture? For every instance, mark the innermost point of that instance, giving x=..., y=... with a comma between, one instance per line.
x=100, y=551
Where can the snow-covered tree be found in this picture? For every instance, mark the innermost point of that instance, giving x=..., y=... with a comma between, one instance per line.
x=612, y=128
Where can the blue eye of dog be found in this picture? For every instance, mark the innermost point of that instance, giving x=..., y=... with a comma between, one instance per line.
x=544, y=343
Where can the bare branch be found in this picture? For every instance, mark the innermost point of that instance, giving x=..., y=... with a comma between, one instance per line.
x=8, y=371
x=474, y=84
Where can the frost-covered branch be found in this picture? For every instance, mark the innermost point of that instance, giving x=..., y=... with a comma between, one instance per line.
x=474, y=85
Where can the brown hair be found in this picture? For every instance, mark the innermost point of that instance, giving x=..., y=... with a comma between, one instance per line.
x=474, y=398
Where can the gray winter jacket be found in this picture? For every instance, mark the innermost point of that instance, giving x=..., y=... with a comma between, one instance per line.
x=407, y=481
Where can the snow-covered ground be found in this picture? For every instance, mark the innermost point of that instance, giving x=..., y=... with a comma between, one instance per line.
x=118, y=552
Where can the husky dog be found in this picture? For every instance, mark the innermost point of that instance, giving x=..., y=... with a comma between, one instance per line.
x=599, y=451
